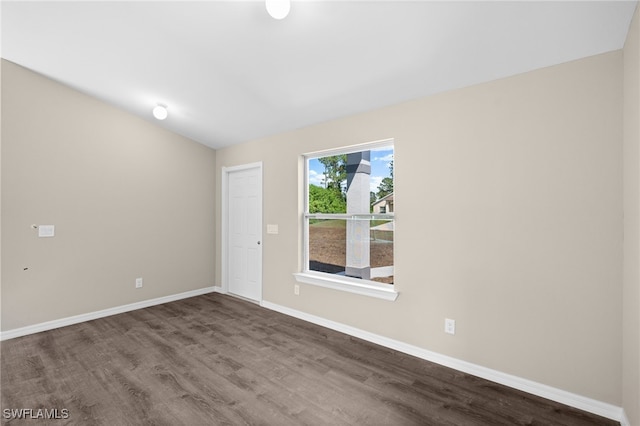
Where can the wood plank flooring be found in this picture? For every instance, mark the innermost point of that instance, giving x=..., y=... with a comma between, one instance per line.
x=218, y=360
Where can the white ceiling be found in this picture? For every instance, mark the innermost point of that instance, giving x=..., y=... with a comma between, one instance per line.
x=230, y=73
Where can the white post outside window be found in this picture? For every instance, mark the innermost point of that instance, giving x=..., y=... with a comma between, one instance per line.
x=358, y=202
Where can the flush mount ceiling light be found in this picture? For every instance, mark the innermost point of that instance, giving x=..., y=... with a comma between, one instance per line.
x=160, y=112
x=278, y=9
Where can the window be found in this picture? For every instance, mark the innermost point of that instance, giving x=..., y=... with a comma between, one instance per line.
x=348, y=225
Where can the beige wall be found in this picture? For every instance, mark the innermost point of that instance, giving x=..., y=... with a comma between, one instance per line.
x=631, y=288
x=509, y=220
x=128, y=199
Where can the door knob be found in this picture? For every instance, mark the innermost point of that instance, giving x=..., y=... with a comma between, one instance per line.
x=258, y=242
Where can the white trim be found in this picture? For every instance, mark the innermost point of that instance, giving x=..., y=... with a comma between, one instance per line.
x=351, y=285
x=558, y=395
x=225, y=222
x=76, y=319
x=336, y=282
x=624, y=420
x=382, y=271
x=351, y=148
x=350, y=216
x=242, y=167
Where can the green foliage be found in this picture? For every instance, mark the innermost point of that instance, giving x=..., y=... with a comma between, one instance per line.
x=326, y=200
x=386, y=186
x=335, y=170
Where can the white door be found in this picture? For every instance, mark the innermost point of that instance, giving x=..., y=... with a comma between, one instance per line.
x=245, y=232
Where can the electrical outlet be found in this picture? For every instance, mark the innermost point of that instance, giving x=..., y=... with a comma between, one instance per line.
x=138, y=282
x=296, y=289
x=449, y=326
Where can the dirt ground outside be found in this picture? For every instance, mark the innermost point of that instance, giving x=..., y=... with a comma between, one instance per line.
x=328, y=251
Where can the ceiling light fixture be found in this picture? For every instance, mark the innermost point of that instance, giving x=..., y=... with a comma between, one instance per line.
x=160, y=112
x=278, y=9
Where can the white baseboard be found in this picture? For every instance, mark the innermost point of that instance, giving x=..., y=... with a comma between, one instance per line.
x=577, y=401
x=624, y=420
x=50, y=325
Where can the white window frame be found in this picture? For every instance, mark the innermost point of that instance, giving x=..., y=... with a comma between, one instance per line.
x=337, y=282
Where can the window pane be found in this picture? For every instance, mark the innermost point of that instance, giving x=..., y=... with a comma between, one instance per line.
x=339, y=246
x=351, y=184
x=330, y=177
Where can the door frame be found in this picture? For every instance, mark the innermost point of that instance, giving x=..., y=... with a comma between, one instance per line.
x=225, y=222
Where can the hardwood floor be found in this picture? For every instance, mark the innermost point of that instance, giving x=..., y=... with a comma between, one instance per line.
x=218, y=360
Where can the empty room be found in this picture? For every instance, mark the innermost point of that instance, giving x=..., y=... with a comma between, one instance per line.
x=205, y=206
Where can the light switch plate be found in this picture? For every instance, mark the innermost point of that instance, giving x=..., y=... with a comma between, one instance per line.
x=46, y=231
x=272, y=229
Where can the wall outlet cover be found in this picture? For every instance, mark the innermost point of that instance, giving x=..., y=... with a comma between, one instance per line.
x=449, y=326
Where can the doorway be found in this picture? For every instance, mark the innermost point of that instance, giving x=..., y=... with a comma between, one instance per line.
x=242, y=231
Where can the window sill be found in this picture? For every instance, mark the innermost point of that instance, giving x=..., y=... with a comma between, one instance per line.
x=351, y=285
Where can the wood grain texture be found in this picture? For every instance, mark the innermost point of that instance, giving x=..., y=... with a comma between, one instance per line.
x=218, y=360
